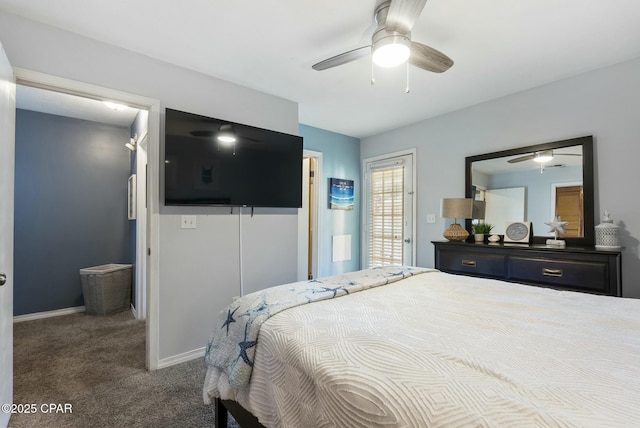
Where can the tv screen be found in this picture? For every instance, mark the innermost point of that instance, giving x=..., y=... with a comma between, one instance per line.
x=216, y=162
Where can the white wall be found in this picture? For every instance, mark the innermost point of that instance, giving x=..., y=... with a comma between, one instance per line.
x=604, y=103
x=199, y=271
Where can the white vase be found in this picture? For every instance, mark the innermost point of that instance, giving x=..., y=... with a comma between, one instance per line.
x=479, y=237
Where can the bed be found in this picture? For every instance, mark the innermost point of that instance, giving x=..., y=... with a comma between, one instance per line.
x=415, y=347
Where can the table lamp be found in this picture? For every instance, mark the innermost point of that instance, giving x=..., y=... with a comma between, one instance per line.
x=460, y=208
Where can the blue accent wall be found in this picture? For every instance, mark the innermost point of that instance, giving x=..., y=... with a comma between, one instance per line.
x=340, y=159
x=70, y=207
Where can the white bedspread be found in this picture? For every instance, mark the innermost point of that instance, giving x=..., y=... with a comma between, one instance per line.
x=231, y=348
x=442, y=350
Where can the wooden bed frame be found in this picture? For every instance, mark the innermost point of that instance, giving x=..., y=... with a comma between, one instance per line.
x=239, y=413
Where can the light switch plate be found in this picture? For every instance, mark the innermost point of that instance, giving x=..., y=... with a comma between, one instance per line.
x=188, y=222
x=431, y=218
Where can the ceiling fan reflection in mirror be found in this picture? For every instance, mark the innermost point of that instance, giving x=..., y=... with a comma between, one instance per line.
x=391, y=43
x=542, y=157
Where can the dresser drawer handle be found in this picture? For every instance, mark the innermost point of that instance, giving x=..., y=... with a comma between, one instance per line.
x=471, y=263
x=552, y=272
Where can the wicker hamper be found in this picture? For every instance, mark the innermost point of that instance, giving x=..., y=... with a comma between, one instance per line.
x=106, y=288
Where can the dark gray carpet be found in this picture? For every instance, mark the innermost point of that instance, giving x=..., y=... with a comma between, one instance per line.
x=96, y=364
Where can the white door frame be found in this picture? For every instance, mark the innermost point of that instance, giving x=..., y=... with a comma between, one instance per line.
x=303, y=223
x=7, y=189
x=59, y=84
x=365, y=202
x=141, y=226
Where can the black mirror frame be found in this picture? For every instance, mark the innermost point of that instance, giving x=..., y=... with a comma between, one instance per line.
x=587, y=183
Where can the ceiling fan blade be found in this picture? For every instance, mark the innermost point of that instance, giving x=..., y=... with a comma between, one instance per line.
x=343, y=58
x=403, y=14
x=428, y=58
x=522, y=158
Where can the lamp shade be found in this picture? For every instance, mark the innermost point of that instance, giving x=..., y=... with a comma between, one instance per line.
x=457, y=208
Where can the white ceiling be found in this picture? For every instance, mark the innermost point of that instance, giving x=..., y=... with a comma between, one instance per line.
x=499, y=47
x=46, y=101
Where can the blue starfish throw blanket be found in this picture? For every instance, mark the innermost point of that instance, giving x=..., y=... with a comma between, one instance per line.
x=232, y=346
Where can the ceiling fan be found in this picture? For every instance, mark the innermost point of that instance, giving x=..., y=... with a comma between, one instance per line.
x=541, y=156
x=391, y=42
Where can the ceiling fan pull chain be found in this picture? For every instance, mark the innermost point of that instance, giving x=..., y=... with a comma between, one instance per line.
x=406, y=90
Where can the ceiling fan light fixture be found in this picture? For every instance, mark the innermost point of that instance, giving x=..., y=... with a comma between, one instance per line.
x=391, y=50
x=133, y=143
x=226, y=139
x=544, y=156
x=226, y=136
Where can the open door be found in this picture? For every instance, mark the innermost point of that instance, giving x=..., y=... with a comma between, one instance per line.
x=309, y=217
x=7, y=165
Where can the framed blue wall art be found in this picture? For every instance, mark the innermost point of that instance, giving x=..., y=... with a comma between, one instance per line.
x=340, y=194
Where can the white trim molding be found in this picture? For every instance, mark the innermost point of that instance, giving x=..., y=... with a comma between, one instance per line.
x=48, y=314
x=181, y=358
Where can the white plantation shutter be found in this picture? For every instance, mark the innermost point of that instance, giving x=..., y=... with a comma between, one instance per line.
x=386, y=216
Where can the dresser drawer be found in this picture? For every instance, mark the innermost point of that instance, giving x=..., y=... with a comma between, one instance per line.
x=583, y=275
x=472, y=263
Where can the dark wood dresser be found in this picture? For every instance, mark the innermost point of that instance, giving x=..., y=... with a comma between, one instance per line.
x=572, y=268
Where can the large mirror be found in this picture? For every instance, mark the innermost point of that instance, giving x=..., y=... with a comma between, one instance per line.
x=535, y=184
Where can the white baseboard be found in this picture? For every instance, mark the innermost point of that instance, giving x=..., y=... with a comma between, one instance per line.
x=136, y=314
x=181, y=358
x=48, y=314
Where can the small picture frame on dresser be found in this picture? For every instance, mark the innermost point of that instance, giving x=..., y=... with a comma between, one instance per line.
x=518, y=232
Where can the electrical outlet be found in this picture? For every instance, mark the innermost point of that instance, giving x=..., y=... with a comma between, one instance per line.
x=188, y=222
x=431, y=218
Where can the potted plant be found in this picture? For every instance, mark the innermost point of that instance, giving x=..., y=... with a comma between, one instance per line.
x=481, y=229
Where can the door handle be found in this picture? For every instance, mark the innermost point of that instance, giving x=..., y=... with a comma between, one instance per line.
x=407, y=240
x=3, y=278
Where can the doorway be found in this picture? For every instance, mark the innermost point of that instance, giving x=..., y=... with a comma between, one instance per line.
x=148, y=142
x=567, y=205
x=73, y=156
x=309, y=216
x=389, y=210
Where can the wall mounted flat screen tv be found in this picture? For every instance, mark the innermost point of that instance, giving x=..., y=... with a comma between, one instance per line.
x=261, y=168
